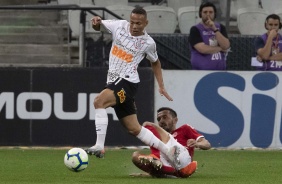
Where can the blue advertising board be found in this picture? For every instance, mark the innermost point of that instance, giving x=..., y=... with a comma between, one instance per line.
x=231, y=109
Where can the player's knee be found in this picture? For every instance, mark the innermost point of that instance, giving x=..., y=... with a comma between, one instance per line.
x=97, y=102
x=100, y=102
x=134, y=132
x=147, y=123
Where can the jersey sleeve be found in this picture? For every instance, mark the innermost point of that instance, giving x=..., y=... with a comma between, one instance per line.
x=259, y=43
x=152, y=52
x=191, y=132
x=223, y=31
x=194, y=36
x=110, y=26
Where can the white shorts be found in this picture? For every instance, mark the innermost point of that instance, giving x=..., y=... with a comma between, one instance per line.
x=184, y=155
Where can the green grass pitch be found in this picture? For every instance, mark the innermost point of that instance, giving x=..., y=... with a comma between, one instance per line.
x=28, y=166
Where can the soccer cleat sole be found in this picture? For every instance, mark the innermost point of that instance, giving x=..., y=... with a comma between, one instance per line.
x=148, y=160
x=97, y=153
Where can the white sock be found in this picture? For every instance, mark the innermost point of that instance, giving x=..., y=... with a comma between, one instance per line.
x=150, y=139
x=101, y=123
x=184, y=155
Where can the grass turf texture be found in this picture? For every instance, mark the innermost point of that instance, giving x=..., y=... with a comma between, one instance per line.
x=214, y=167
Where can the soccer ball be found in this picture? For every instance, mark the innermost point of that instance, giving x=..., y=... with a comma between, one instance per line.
x=76, y=159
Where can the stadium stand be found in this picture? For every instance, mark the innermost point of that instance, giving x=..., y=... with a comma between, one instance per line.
x=122, y=10
x=176, y=4
x=18, y=2
x=187, y=17
x=250, y=21
x=34, y=38
x=77, y=2
x=42, y=38
x=74, y=21
x=161, y=19
x=104, y=3
x=238, y=4
x=271, y=6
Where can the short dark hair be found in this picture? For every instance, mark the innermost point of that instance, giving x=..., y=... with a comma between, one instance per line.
x=139, y=10
x=171, y=111
x=272, y=16
x=207, y=4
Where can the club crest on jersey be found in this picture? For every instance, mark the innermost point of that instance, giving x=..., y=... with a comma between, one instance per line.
x=138, y=43
x=121, y=95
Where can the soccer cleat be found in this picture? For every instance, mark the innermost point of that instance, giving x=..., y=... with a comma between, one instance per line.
x=147, y=159
x=189, y=169
x=173, y=156
x=96, y=150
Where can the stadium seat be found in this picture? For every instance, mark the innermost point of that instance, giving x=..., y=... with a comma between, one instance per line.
x=235, y=5
x=161, y=19
x=74, y=21
x=271, y=7
x=279, y=12
x=188, y=17
x=68, y=1
x=77, y=2
x=104, y=3
x=176, y=4
x=123, y=11
x=251, y=21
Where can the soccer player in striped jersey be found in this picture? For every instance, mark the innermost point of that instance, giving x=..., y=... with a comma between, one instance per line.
x=130, y=45
x=156, y=163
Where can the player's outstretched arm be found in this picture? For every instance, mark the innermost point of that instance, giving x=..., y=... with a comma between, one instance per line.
x=156, y=66
x=202, y=143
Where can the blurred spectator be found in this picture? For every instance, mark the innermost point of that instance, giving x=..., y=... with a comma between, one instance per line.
x=208, y=41
x=268, y=46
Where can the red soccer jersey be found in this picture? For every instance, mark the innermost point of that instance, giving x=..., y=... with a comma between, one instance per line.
x=181, y=134
x=185, y=132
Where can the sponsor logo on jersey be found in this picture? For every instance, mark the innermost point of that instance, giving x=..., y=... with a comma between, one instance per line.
x=122, y=54
x=138, y=43
x=121, y=95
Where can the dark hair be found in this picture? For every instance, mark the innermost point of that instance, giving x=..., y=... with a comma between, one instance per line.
x=275, y=17
x=207, y=4
x=171, y=111
x=139, y=10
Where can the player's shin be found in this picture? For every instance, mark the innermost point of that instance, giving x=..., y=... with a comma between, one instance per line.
x=150, y=139
x=101, y=123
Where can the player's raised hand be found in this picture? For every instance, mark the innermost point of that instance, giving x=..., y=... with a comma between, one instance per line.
x=191, y=143
x=210, y=22
x=163, y=92
x=272, y=33
x=96, y=20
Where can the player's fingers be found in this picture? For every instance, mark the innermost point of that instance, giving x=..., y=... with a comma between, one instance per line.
x=168, y=97
x=95, y=20
x=164, y=93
